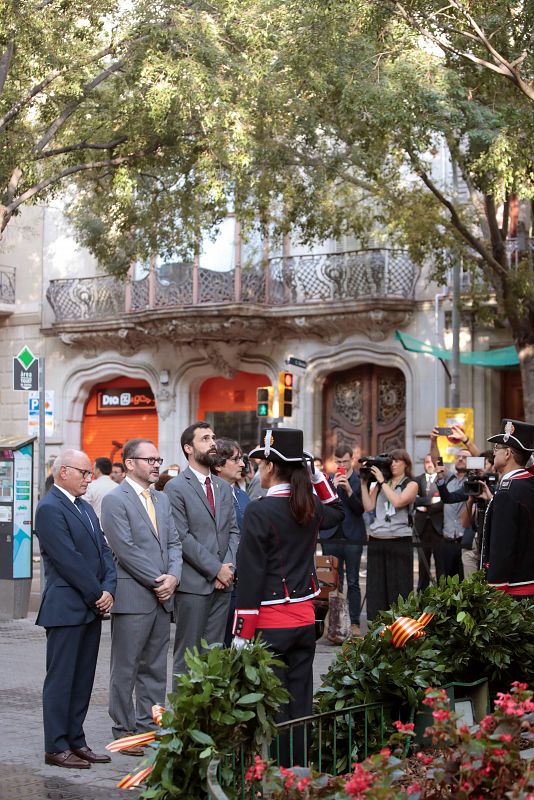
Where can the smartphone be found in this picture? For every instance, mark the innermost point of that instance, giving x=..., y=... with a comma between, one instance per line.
x=444, y=431
x=341, y=470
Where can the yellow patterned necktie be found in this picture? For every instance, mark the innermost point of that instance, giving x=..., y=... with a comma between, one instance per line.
x=151, y=510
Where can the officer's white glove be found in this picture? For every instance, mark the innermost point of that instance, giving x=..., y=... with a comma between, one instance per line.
x=238, y=642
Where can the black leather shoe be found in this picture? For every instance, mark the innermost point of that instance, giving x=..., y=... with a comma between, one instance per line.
x=93, y=758
x=66, y=759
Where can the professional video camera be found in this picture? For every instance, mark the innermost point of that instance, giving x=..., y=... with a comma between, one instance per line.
x=382, y=461
x=475, y=477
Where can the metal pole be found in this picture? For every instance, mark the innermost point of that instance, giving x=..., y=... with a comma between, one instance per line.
x=455, y=364
x=42, y=433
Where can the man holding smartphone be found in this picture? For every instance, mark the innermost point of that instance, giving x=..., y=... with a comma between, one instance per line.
x=347, y=540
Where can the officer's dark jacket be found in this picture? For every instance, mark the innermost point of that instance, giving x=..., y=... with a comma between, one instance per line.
x=508, y=538
x=275, y=561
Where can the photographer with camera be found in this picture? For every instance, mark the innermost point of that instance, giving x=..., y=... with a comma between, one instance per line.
x=472, y=516
x=508, y=537
x=389, y=490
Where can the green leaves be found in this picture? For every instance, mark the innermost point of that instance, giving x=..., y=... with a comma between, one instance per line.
x=227, y=699
x=476, y=632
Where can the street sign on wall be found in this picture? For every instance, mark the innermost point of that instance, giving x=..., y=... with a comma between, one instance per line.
x=33, y=413
x=25, y=371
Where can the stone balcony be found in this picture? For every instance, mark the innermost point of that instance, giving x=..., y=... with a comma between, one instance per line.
x=7, y=291
x=327, y=296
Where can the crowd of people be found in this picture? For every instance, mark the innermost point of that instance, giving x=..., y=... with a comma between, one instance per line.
x=225, y=548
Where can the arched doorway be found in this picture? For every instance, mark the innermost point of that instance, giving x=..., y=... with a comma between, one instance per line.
x=117, y=410
x=229, y=405
x=365, y=408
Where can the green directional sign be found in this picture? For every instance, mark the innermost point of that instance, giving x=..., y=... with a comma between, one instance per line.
x=25, y=371
x=26, y=357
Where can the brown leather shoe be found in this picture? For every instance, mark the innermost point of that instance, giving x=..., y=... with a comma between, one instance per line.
x=136, y=752
x=93, y=758
x=66, y=759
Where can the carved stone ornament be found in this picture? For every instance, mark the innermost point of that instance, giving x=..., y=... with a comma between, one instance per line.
x=166, y=402
x=209, y=328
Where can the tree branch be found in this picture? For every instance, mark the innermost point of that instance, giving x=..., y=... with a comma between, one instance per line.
x=501, y=65
x=457, y=223
x=9, y=208
x=71, y=107
x=5, y=63
x=47, y=80
x=81, y=146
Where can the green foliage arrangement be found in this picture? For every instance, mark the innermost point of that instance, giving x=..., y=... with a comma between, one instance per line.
x=476, y=632
x=228, y=698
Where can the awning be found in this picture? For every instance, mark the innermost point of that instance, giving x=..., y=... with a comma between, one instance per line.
x=501, y=357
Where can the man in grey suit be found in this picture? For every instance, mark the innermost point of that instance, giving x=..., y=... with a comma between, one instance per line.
x=140, y=529
x=203, y=510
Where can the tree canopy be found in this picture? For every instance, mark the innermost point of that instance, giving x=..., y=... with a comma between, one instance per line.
x=325, y=117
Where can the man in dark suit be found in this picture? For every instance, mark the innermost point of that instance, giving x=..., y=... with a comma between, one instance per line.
x=428, y=523
x=205, y=519
x=347, y=540
x=140, y=529
x=80, y=586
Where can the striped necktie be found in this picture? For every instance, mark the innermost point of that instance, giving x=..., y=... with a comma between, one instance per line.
x=150, y=508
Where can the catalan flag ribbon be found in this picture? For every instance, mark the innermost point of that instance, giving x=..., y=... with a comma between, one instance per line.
x=135, y=778
x=405, y=628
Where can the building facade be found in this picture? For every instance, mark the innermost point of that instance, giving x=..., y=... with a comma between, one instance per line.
x=179, y=341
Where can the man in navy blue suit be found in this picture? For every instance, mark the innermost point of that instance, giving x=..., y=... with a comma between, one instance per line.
x=80, y=585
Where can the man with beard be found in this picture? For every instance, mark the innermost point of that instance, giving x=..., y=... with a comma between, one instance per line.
x=203, y=509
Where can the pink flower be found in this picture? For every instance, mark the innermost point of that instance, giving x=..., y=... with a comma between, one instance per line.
x=301, y=785
x=505, y=737
x=499, y=752
x=424, y=759
x=401, y=726
x=289, y=776
x=440, y=715
x=520, y=687
x=414, y=787
x=386, y=751
x=359, y=781
x=255, y=772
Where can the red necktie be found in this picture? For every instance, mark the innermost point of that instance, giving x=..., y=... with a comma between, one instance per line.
x=209, y=495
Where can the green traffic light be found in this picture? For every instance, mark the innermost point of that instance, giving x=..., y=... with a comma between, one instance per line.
x=262, y=409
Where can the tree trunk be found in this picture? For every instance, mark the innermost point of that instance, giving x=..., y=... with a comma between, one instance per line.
x=526, y=360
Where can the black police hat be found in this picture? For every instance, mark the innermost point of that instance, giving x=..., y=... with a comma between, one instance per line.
x=281, y=444
x=515, y=433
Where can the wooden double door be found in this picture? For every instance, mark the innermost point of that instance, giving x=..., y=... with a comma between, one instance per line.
x=365, y=408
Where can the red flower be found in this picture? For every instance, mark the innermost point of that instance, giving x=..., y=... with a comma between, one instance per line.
x=424, y=759
x=505, y=737
x=440, y=715
x=255, y=772
x=401, y=726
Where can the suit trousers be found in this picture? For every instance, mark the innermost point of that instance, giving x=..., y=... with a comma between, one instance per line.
x=198, y=616
x=428, y=544
x=139, y=646
x=296, y=648
x=71, y=656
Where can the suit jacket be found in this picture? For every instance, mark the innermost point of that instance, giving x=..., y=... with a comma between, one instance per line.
x=424, y=498
x=207, y=540
x=352, y=527
x=141, y=556
x=77, y=561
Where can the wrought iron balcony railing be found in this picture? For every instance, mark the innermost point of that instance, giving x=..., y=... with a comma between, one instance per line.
x=340, y=278
x=7, y=285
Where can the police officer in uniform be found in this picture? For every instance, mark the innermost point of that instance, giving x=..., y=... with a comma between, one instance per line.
x=508, y=537
x=275, y=563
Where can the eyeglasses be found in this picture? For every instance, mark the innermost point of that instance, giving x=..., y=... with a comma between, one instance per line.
x=85, y=473
x=151, y=461
x=497, y=447
x=237, y=459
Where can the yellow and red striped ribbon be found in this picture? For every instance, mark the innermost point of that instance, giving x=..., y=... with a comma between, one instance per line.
x=135, y=778
x=405, y=628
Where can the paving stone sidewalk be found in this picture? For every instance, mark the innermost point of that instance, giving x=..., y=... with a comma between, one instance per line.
x=23, y=773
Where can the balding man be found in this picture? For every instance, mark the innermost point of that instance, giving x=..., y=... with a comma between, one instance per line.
x=80, y=586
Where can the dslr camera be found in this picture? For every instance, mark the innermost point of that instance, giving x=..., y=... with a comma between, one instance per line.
x=382, y=461
x=475, y=477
